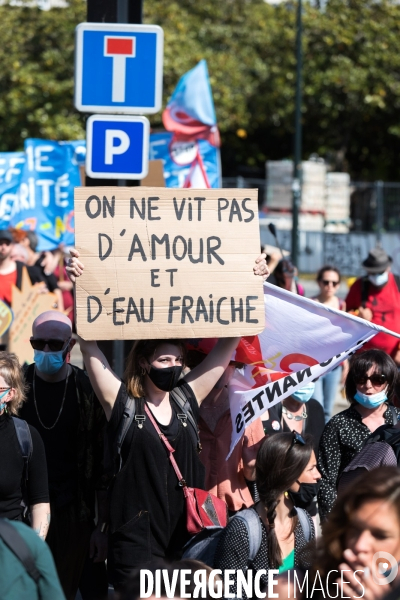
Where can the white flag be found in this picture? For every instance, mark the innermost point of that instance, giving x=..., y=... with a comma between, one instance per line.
x=302, y=340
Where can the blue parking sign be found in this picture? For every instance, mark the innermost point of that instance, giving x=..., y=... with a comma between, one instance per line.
x=117, y=147
x=118, y=68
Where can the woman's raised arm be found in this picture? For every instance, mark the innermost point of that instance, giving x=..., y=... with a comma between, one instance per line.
x=105, y=382
x=202, y=379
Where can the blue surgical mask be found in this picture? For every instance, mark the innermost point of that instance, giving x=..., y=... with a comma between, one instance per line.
x=371, y=401
x=3, y=404
x=379, y=279
x=305, y=393
x=49, y=362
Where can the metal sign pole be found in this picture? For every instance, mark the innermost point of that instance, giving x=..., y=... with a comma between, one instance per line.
x=106, y=11
x=118, y=345
x=297, y=140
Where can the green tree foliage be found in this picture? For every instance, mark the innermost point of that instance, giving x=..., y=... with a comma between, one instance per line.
x=352, y=86
x=36, y=74
x=351, y=76
x=351, y=73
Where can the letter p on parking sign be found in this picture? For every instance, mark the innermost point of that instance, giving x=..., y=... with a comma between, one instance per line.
x=117, y=147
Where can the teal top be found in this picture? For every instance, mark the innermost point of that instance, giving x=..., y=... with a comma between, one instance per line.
x=15, y=583
x=287, y=563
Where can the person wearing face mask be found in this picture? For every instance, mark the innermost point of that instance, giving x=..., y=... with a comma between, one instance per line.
x=376, y=298
x=286, y=474
x=62, y=406
x=147, y=505
x=229, y=479
x=301, y=413
x=298, y=412
x=369, y=386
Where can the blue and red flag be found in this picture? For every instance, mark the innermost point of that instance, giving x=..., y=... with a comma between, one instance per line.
x=190, y=117
x=190, y=113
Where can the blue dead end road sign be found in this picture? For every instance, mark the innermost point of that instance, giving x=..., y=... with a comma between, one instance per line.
x=118, y=68
x=117, y=147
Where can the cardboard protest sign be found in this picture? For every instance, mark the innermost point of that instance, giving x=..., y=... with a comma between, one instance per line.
x=167, y=263
x=27, y=304
x=6, y=317
x=155, y=176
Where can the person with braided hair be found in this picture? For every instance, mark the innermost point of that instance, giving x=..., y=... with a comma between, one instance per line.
x=286, y=472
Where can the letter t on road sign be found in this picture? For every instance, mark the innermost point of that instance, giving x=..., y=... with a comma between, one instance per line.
x=119, y=49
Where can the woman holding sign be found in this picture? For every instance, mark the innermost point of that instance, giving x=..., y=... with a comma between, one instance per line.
x=147, y=507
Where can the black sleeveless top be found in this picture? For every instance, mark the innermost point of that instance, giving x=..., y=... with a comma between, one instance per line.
x=147, y=509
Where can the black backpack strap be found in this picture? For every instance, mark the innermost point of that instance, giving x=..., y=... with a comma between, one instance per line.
x=15, y=542
x=397, y=280
x=179, y=395
x=125, y=423
x=25, y=443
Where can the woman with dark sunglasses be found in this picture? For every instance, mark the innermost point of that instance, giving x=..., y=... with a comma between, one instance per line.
x=286, y=474
x=328, y=279
x=369, y=387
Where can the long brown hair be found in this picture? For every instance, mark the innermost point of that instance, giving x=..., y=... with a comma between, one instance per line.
x=11, y=371
x=378, y=484
x=279, y=463
x=134, y=375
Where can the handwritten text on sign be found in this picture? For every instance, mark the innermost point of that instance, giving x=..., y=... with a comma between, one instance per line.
x=164, y=263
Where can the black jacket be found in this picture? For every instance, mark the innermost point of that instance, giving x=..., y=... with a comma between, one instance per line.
x=33, y=272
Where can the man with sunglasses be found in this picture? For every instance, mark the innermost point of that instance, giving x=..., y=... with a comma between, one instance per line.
x=11, y=270
x=376, y=298
x=62, y=406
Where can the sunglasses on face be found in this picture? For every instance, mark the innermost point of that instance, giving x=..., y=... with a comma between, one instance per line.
x=326, y=282
x=376, y=379
x=297, y=439
x=54, y=345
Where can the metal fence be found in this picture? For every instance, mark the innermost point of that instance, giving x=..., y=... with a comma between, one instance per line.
x=374, y=206
x=346, y=251
x=375, y=217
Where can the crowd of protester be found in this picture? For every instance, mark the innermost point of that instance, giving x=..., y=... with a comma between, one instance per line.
x=101, y=467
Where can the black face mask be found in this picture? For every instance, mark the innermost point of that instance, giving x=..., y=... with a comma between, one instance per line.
x=165, y=379
x=305, y=495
